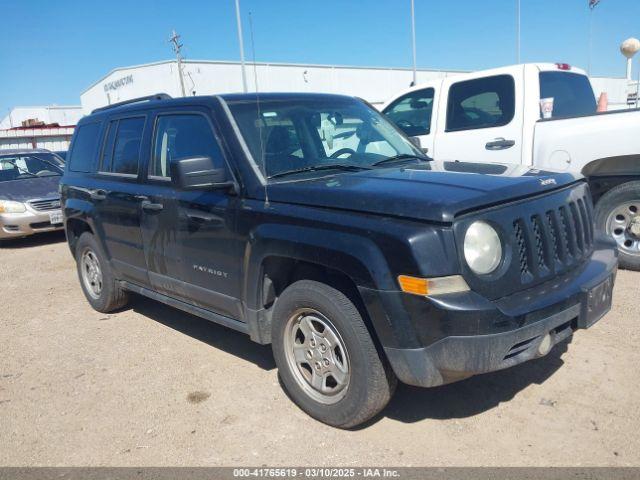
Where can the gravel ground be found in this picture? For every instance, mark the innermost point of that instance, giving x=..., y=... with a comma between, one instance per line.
x=152, y=386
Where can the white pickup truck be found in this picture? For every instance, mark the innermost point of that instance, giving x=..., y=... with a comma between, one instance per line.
x=495, y=116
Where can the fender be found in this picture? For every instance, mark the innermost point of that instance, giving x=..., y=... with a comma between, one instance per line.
x=607, y=173
x=355, y=256
x=78, y=208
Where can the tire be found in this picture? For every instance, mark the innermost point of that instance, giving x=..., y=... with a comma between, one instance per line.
x=109, y=296
x=312, y=311
x=618, y=214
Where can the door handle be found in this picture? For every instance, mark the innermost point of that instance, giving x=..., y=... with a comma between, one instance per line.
x=205, y=218
x=148, y=206
x=500, y=144
x=98, y=194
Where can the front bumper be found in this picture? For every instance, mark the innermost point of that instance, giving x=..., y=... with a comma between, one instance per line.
x=459, y=335
x=17, y=225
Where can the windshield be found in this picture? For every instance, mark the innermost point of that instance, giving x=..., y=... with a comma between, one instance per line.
x=311, y=136
x=572, y=93
x=21, y=166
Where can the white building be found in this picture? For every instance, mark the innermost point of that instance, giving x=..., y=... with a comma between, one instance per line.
x=54, y=114
x=374, y=84
x=208, y=77
x=39, y=127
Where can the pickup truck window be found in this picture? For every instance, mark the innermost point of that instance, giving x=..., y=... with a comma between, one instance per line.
x=122, y=146
x=571, y=92
x=481, y=103
x=182, y=136
x=412, y=112
x=305, y=133
x=83, y=152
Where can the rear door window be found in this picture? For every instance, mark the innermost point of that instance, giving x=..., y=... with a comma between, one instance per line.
x=481, y=103
x=412, y=112
x=83, y=152
x=121, y=150
x=126, y=149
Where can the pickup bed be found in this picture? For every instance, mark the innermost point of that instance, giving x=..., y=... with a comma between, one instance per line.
x=495, y=116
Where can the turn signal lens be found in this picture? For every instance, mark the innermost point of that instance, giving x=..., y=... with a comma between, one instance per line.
x=432, y=286
x=417, y=286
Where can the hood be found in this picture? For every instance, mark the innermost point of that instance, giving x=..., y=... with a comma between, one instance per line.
x=436, y=192
x=30, y=188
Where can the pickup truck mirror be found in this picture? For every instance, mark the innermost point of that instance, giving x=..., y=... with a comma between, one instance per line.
x=198, y=173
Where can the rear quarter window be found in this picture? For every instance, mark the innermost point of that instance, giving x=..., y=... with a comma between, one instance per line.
x=82, y=157
x=571, y=92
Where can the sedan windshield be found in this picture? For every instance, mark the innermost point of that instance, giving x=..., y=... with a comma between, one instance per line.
x=316, y=136
x=21, y=166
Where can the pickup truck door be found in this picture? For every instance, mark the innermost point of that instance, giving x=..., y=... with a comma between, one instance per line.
x=412, y=113
x=192, y=251
x=480, y=119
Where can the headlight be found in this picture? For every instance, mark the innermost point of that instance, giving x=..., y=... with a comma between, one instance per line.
x=7, y=206
x=482, y=248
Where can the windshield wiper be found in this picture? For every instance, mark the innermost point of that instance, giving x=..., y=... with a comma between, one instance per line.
x=400, y=157
x=58, y=167
x=315, y=168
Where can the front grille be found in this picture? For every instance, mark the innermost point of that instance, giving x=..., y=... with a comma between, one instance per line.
x=45, y=205
x=554, y=240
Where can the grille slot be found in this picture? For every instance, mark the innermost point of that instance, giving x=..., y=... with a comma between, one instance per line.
x=45, y=205
x=554, y=240
x=558, y=254
x=537, y=232
x=521, y=244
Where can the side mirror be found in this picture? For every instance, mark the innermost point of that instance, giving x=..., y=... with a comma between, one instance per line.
x=416, y=142
x=198, y=173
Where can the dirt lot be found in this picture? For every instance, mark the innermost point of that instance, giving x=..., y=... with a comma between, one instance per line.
x=152, y=386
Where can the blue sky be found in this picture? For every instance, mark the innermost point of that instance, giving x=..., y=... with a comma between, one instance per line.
x=52, y=50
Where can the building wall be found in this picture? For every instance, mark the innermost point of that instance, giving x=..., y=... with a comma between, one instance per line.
x=616, y=88
x=51, y=138
x=204, y=78
x=62, y=115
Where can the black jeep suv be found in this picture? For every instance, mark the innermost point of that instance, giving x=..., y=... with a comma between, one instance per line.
x=309, y=222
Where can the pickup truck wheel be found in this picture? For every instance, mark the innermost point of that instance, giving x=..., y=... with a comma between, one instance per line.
x=98, y=283
x=618, y=214
x=326, y=358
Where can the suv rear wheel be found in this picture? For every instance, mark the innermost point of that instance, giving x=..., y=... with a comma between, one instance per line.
x=618, y=214
x=326, y=358
x=97, y=281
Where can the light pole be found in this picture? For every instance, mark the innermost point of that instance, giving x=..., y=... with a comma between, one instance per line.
x=242, y=65
x=518, y=30
x=413, y=41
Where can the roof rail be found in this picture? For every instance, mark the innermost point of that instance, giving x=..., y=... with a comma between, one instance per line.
x=156, y=96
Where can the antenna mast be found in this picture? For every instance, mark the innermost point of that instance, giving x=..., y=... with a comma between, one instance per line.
x=263, y=159
x=177, y=48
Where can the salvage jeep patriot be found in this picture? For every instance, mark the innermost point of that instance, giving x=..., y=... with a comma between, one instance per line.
x=311, y=223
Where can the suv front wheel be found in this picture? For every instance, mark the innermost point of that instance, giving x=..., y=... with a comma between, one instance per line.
x=96, y=278
x=326, y=358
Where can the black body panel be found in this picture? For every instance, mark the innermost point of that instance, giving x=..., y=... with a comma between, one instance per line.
x=205, y=250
